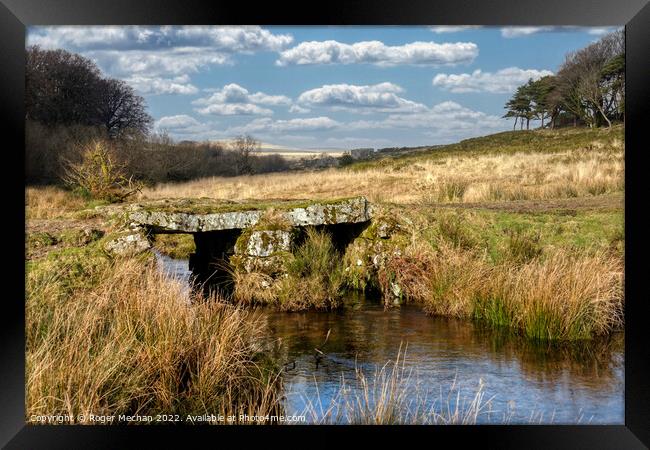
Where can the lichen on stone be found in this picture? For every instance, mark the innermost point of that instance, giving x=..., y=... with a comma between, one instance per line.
x=386, y=236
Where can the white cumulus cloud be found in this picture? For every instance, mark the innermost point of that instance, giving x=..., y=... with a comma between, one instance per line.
x=226, y=39
x=158, y=85
x=376, y=52
x=515, y=32
x=267, y=125
x=500, y=82
x=379, y=97
x=158, y=53
x=234, y=99
x=178, y=122
x=443, y=119
x=297, y=109
x=600, y=31
x=440, y=29
x=183, y=126
x=175, y=61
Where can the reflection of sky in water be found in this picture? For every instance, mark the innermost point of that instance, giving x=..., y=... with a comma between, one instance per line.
x=176, y=268
x=526, y=383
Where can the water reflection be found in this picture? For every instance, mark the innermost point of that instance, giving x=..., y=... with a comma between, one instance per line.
x=538, y=383
x=581, y=383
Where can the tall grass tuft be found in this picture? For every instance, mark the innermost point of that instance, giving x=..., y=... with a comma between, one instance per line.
x=524, y=246
x=562, y=296
x=557, y=296
x=314, y=276
x=128, y=340
x=391, y=395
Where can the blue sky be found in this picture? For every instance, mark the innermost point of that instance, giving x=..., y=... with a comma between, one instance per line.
x=324, y=87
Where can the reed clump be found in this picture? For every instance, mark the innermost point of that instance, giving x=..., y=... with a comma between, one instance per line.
x=391, y=395
x=560, y=296
x=314, y=275
x=120, y=337
x=310, y=278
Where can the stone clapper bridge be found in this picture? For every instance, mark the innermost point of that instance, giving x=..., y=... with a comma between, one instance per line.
x=252, y=236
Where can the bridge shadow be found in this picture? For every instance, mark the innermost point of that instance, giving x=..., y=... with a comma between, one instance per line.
x=210, y=263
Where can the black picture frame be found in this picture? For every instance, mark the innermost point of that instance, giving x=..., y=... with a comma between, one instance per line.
x=634, y=14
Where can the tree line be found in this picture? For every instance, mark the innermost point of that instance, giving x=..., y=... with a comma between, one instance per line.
x=70, y=106
x=588, y=89
x=63, y=88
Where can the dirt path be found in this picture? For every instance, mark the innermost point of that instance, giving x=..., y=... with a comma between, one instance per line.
x=59, y=225
x=558, y=206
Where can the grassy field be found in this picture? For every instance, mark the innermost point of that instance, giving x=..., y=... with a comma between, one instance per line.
x=522, y=230
x=521, y=165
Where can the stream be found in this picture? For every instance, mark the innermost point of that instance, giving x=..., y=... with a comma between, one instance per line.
x=442, y=363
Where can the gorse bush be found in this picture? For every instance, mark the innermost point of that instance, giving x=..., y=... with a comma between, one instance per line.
x=99, y=174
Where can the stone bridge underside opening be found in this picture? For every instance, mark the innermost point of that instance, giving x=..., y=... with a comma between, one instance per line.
x=253, y=235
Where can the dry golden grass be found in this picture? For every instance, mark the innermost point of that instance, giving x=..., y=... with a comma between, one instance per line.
x=133, y=344
x=49, y=202
x=391, y=396
x=453, y=178
x=254, y=287
x=312, y=278
x=560, y=296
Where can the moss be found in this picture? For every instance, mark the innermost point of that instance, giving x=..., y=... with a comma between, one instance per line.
x=38, y=242
x=241, y=244
x=72, y=268
x=272, y=220
x=40, y=239
x=329, y=213
x=213, y=206
x=177, y=246
x=80, y=236
x=386, y=235
x=271, y=265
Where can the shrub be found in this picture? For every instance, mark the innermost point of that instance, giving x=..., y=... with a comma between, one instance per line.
x=345, y=160
x=99, y=175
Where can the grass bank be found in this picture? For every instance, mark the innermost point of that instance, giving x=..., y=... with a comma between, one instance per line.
x=548, y=276
x=109, y=337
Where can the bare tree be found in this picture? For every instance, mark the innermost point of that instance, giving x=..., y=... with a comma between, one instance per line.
x=63, y=88
x=120, y=110
x=244, y=148
x=60, y=87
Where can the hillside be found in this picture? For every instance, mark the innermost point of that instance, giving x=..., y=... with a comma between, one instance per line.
x=520, y=165
x=540, y=141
